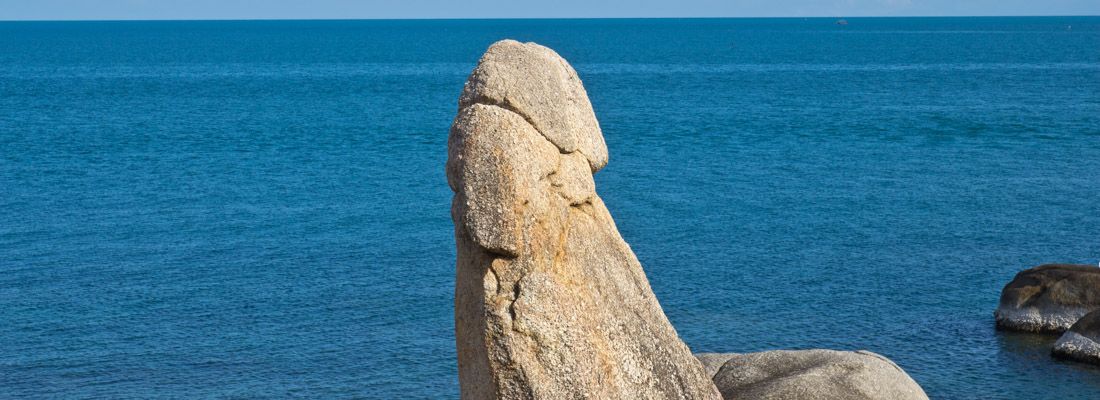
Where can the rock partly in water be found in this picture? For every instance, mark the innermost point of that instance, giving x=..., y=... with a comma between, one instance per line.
x=1082, y=341
x=550, y=302
x=1049, y=298
x=813, y=374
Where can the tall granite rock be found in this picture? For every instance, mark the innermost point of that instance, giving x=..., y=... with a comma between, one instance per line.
x=550, y=302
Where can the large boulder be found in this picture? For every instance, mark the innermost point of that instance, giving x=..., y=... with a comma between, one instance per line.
x=1049, y=298
x=1082, y=341
x=813, y=375
x=550, y=302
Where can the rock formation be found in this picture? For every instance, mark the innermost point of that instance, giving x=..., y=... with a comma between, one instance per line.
x=1049, y=298
x=812, y=374
x=550, y=302
x=1082, y=341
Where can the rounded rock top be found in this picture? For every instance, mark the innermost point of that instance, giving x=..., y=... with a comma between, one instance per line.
x=538, y=84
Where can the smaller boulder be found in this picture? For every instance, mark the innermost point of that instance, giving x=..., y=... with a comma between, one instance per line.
x=1082, y=341
x=1049, y=298
x=811, y=375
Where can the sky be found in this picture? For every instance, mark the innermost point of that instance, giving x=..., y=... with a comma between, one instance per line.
x=382, y=9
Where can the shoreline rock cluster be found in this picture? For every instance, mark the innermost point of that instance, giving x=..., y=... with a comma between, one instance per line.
x=550, y=301
x=1056, y=299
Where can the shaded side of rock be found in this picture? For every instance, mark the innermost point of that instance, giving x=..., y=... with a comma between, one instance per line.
x=1082, y=341
x=712, y=362
x=814, y=374
x=550, y=302
x=1049, y=298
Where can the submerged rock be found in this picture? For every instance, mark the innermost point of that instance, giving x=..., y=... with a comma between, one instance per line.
x=1082, y=341
x=812, y=374
x=550, y=302
x=1049, y=298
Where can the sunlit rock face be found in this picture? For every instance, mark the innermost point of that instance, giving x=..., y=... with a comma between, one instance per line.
x=550, y=302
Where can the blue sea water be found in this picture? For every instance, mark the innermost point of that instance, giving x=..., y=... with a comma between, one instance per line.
x=259, y=209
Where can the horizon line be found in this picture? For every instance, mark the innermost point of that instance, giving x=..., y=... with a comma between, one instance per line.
x=540, y=18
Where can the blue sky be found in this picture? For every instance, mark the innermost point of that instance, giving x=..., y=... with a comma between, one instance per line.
x=350, y=9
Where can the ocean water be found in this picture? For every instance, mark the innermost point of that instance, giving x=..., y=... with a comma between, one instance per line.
x=259, y=209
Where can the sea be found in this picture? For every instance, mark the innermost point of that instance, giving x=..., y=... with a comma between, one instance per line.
x=258, y=209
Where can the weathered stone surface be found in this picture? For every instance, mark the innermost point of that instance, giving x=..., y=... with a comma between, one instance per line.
x=1049, y=298
x=1082, y=341
x=536, y=83
x=814, y=374
x=712, y=362
x=550, y=302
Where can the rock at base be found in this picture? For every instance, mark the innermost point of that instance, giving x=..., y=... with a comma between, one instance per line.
x=1049, y=298
x=1082, y=341
x=812, y=374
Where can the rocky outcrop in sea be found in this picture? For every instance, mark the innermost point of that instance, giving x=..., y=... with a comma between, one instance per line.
x=550, y=302
x=1049, y=298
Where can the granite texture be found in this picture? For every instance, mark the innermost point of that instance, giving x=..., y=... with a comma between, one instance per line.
x=550, y=302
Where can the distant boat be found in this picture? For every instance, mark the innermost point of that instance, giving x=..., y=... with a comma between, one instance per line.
x=842, y=22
